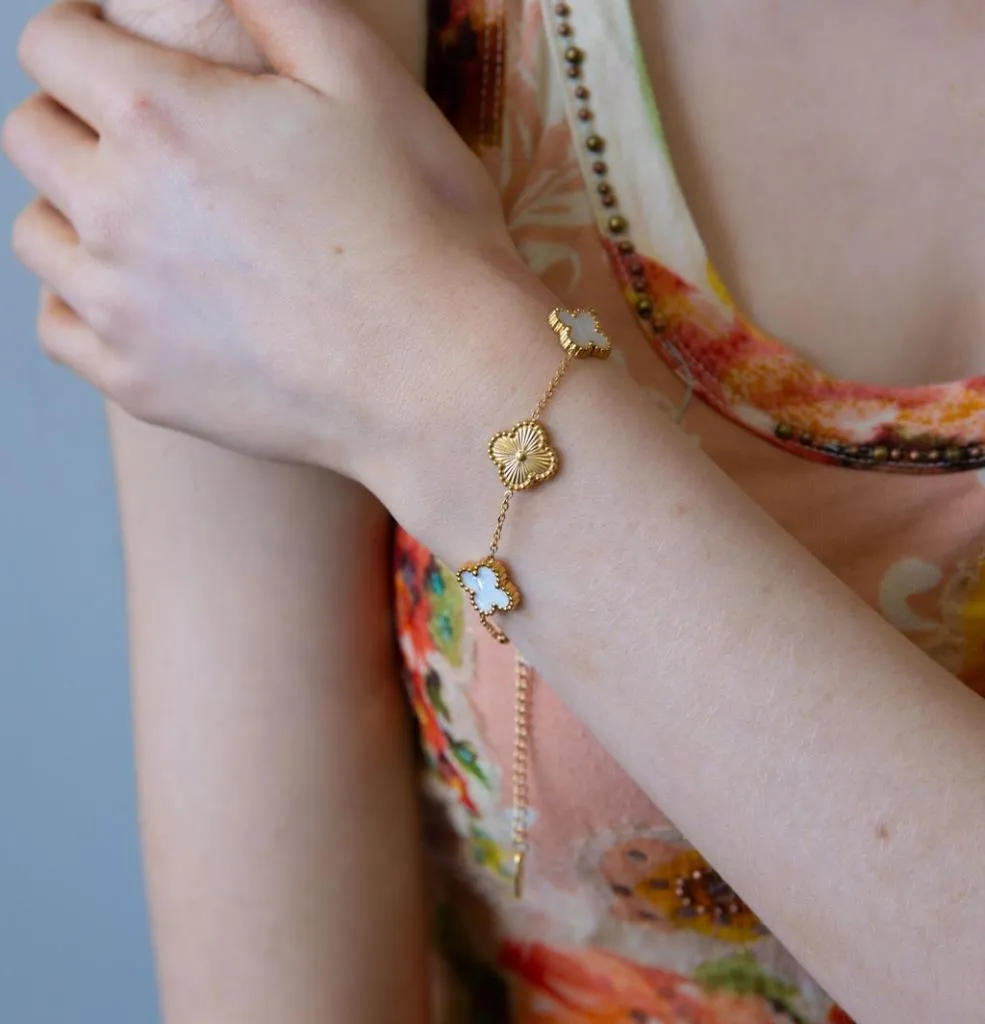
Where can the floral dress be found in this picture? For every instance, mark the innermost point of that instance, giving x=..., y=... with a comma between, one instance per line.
x=622, y=919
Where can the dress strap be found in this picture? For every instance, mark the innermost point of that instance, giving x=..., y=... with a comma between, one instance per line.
x=466, y=66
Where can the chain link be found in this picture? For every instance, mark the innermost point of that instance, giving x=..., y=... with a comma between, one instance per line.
x=497, y=536
x=521, y=792
x=552, y=387
x=493, y=630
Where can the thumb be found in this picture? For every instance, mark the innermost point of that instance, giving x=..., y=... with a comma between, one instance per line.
x=301, y=39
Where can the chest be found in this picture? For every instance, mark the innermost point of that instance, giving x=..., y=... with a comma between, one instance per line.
x=833, y=157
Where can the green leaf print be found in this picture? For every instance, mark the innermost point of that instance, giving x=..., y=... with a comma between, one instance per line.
x=447, y=618
x=745, y=975
x=466, y=756
x=432, y=686
x=487, y=853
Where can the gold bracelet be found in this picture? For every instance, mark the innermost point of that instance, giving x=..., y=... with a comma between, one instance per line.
x=524, y=458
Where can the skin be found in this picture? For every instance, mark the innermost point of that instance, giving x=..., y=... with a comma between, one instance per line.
x=797, y=127
x=267, y=710
x=802, y=733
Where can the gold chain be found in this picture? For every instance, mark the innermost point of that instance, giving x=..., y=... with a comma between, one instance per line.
x=524, y=458
x=552, y=387
x=497, y=536
x=493, y=630
x=521, y=748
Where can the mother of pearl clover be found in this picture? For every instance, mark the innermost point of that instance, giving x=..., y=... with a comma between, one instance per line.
x=523, y=456
x=580, y=333
x=489, y=586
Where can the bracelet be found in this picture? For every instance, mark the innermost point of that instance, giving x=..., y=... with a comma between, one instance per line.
x=524, y=458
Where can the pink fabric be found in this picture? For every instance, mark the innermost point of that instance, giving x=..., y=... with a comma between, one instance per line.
x=603, y=934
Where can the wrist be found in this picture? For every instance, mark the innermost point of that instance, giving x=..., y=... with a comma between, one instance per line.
x=443, y=487
x=496, y=355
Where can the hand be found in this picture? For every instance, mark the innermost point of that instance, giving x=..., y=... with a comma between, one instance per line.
x=206, y=28
x=281, y=265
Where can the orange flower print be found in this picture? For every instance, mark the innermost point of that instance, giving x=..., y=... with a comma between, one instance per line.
x=429, y=603
x=838, y=1016
x=430, y=621
x=555, y=986
x=668, y=885
x=452, y=760
x=758, y=381
x=410, y=597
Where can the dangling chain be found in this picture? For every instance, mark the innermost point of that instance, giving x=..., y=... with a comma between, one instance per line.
x=521, y=747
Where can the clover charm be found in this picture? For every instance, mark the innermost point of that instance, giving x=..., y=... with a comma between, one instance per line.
x=523, y=456
x=489, y=586
x=580, y=333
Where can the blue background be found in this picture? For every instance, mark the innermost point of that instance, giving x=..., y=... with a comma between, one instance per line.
x=74, y=943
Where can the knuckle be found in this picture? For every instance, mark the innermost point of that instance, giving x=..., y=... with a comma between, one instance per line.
x=139, y=111
x=152, y=107
x=157, y=107
x=146, y=112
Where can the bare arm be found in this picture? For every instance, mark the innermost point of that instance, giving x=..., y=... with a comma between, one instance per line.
x=276, y=797
x=829, y=769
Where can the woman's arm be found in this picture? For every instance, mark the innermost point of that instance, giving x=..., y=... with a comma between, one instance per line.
x=278, y=815
x=831, y=771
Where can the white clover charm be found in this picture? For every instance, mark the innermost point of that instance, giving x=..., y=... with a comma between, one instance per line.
x=580, y=333
x=489, y=586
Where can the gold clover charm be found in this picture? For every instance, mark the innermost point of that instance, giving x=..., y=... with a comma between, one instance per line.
x=580, y=333
x=489, y=586
x=523, y=456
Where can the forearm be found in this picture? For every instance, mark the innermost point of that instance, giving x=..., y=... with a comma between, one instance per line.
x=275, y=776
x=277, y=805
x=833, y=773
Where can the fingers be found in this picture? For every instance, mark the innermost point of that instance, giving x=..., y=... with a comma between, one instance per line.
x=66, y=339
x=45, y=242
x=95, y=70
x=51, y=148
x=308, y=40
